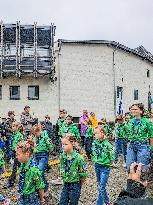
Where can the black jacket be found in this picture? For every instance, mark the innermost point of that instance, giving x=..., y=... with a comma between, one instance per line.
x=133, y=195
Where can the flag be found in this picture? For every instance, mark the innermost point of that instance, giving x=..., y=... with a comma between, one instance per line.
x=150, y=101
x=120, y=110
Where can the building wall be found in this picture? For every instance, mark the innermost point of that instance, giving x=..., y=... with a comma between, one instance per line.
x=47, y=103
x=86, y=79
x=133, y=70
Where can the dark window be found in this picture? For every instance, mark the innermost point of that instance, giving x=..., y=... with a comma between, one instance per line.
x=33, y=92
x=135, y=94
x=148, y=73
x=0, y=92
x=14, y=92
x=119, y=90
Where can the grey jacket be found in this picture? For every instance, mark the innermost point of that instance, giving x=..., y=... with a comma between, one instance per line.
x=26, y=120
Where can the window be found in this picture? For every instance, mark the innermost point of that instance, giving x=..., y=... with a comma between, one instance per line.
x=119, y=90
x=14, y=92
x=33, y=92
x=135, y=94
x=148, y=73
x=0, y=92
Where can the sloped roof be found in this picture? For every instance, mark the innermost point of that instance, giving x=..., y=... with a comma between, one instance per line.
x=139, y=51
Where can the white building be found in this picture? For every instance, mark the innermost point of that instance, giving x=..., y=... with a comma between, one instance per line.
x=90, y=75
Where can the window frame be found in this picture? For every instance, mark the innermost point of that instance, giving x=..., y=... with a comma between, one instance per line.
x=136, y=94
x=33, y=98
x=12, y=98
x=148, y=73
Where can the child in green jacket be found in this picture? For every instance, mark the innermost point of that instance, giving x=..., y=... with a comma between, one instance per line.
x=103, y=155
x=73, y=171
x=17, y=137
x=31, y=183
x=42, y=149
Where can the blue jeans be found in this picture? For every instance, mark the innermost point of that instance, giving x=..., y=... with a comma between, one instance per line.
x=70, y=194
x=42, y=161
x=102, y=174
x=32, y=199
x=16, y=165
x=88, y=145
x=8, y=145
x=60, y=144
x=138, y=152
x=120, y=148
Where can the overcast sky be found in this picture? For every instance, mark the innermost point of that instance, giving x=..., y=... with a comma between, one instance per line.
x=129, y=22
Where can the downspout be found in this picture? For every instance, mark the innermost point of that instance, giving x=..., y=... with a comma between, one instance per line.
x=59, y=77
x=114, y=80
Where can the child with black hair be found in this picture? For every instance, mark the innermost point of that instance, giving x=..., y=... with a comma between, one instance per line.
x=73, y=171
x=2, y=161
x=70, y=127
x=17, y=137
x=88, y=139
x=120, y=139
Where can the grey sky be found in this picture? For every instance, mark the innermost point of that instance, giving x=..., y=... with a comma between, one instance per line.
x=128, y=21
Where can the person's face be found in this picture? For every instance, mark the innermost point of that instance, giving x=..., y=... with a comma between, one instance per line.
x=135, y=111
x=99, y=134
x=85, y=113
x=14, y=127
x=22, y=157
x=119, y=121
x=27, y=110
x=103, y=121
x=62, y=114
x=68, y=120
x=38, y=134
x=67, y=145
x=12, y=116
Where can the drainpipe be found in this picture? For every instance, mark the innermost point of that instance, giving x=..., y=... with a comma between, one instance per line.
x=114, y=79
x=59, y=76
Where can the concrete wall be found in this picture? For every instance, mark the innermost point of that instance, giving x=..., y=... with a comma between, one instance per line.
x=47, y=103
x=86, y=79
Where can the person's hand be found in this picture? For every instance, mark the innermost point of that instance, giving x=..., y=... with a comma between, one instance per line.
x=135, y=175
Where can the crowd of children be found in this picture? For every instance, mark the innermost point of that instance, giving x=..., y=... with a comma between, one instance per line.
x=28, y=149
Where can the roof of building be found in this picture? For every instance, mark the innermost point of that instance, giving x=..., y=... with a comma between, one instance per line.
x=139, y=51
